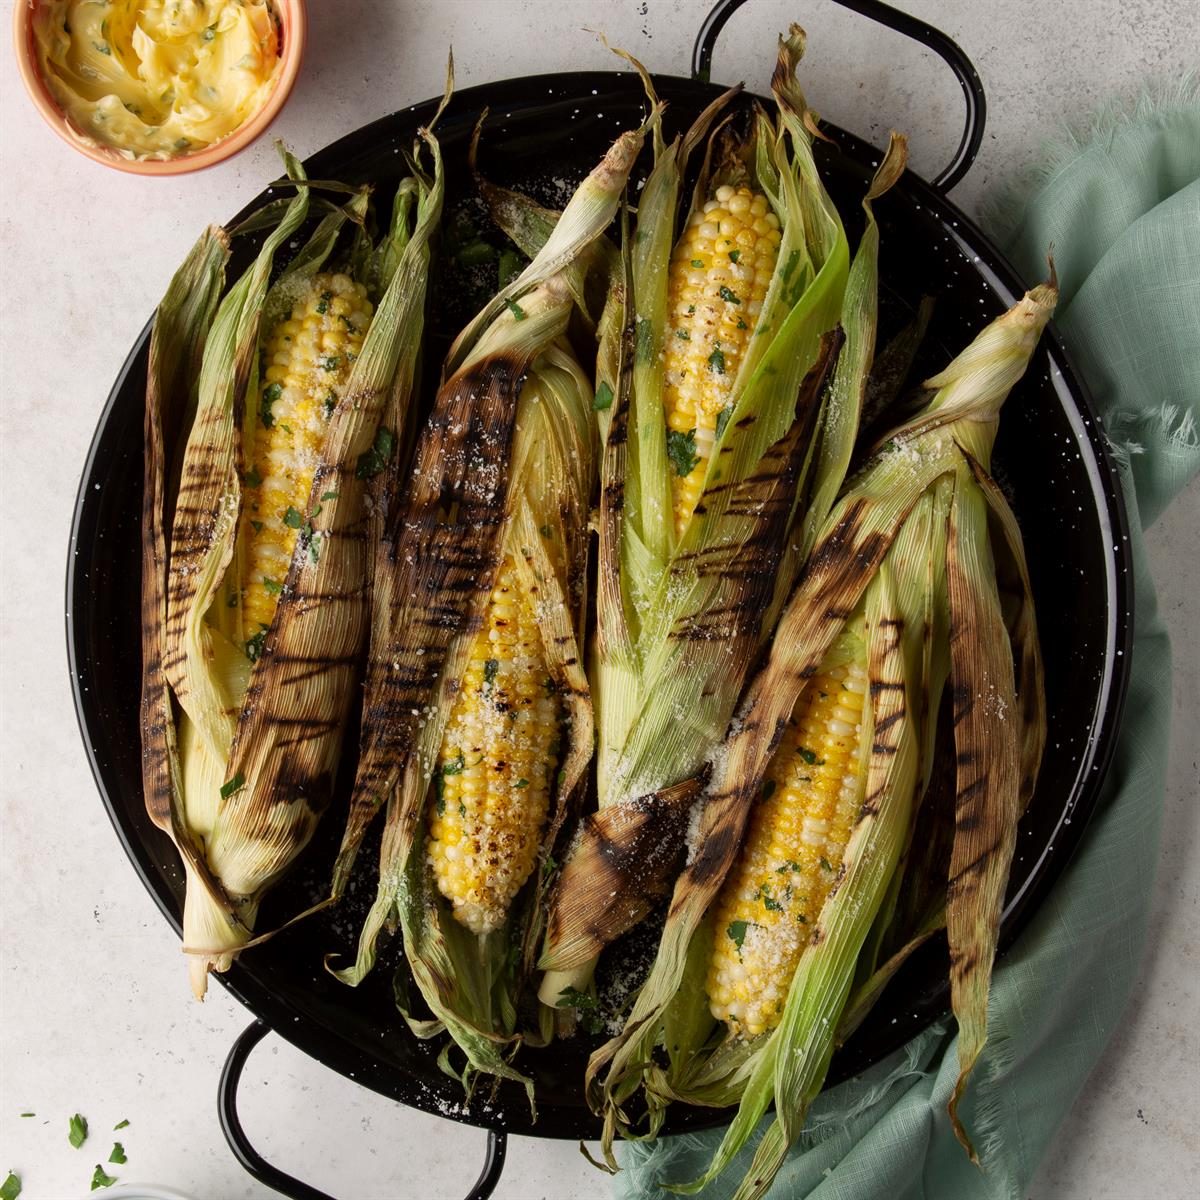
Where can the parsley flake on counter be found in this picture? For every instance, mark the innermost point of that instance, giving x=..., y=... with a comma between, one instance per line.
x=10, y=1189
x=78, y=1131
x=118, y=1154
x=101, y=1179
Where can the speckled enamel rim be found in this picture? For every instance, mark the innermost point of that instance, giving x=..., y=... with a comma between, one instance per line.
x=293, y=19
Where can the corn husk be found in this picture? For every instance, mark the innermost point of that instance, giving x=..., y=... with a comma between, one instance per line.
x=251, y=747
x=908, y=552
x=681, y=620
x=509, y=448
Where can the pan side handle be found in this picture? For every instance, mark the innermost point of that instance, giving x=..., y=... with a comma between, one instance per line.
x=901, y=22
x=280, y=1181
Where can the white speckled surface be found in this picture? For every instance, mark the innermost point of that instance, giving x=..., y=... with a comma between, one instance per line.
x=94, y=1015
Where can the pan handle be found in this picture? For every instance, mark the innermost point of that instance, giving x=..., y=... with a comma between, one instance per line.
x=901, y=22
x=279, y=1181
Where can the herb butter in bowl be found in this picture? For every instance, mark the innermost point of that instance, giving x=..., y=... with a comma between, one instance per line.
x=158, y=87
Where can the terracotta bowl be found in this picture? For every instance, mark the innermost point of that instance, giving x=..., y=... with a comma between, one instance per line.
x=293, y=26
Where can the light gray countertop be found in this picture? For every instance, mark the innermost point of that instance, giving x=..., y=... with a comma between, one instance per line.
x=96, y=1017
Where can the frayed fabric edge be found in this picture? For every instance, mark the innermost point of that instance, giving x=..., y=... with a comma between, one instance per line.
x=1174, y=424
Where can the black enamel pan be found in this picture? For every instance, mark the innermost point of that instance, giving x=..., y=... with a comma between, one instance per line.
x=1051, y=457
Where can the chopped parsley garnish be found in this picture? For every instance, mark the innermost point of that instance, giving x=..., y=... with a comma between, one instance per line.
x=643, y=350
x=791, y=264
x=742, y=324
x=826, y=865
x=323, y=303
x=371, y=462
x=729, y=295
x=29, y=1114
x=734, y=255
x=697, y=262
x=545, y=531
x=331, y=362
x=585, y=1004
x=329, y=404
x=330, y=495
x=454, y=766
x=809, y=756
x=604, y=398
x=254, y=647
x=182, y=144
x=233, y=785
x=768, y=789
x=513, y=307
x=257, y=526
x=550, y=863
x=521, y=783
x=737, y=932
x=313, y=537
x=121, y=1125
x=490, y=668
x=723, y=419
x=772, y=905
x=691, y=309
x=681, y=450
x=77, y=1131
x=790, y=865
x=101, y=1178
x=253, y=478
x=293, y=518
x=270, y=394
x=10, y=1189
x=273, y=586
x=716, y=361
x=118, y=1154
x=683, y=335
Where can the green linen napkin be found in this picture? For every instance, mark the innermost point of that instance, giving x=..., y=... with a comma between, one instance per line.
x=1122, y=209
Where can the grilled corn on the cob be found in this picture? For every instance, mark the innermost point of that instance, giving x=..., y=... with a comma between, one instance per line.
x=497, y=763
x=307, y=360
x=720, y=272
x=795, y=841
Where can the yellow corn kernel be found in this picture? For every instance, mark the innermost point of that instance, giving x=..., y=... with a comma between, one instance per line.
x=795, y=842
x=719, y=274
x=307, y=360
x=496, y=765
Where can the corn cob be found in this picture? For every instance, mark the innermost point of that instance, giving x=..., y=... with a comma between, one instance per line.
x=259, y=608
x=497, y=763
x=907, y=555
x=794, y=846
x=478, y=603
x=720, y=272
x=307, y=360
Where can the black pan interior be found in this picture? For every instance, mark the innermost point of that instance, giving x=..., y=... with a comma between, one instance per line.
x=543, y=134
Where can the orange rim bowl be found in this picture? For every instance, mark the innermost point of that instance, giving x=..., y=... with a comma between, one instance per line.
x=293, y=22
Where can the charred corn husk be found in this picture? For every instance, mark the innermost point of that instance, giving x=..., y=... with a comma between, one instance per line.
x=732, y=331
x=767, y=335
x=255, y=607
x=478, y=719
x=908, y=557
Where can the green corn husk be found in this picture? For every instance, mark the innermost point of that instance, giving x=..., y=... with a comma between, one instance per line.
x=680, y=620
x=510, y=448
x=908, y=551
x=241, y=764
x=667, y=679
